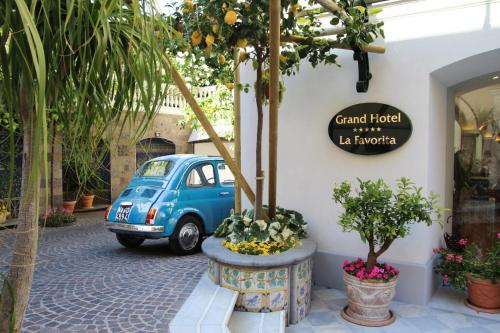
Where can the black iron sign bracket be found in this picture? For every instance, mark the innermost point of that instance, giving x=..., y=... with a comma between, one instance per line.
x=361, y=57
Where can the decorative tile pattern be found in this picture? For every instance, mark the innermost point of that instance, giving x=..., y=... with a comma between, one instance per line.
x=301, y=292
x=261, y=290
x=267, y=290
x=213, y=271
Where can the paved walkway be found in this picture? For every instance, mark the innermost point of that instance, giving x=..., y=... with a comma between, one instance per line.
x=327, y=303
x=85, y=281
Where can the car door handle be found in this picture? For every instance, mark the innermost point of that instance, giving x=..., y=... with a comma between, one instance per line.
x=224, y=194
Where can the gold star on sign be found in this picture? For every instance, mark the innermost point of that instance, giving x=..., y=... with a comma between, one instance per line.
x=360, y=129
x=378, y=129
x=373, y=129
x=367, y=129
x=354, y=129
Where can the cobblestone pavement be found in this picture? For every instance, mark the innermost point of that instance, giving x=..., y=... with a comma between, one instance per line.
x=85, y=281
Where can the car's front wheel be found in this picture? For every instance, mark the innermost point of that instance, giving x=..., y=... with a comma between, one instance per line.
x=129, y=241
x=187, y=236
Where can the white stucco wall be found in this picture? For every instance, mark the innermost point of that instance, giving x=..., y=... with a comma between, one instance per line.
x=422, y=37
x=208, y=148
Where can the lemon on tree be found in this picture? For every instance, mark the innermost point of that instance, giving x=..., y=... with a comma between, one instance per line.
x=230, y=17
x=238, y=25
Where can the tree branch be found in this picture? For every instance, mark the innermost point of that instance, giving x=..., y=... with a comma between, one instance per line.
x=332, y=7
x=301, y=39
x=384, y=247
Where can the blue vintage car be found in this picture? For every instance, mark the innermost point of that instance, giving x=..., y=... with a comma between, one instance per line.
x=182, y=197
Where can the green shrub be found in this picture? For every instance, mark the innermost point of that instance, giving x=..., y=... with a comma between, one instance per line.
x=381, y=215
x=58, y=218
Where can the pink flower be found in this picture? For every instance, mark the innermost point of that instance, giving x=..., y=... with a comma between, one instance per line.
x=379, y=276
x=459, y=259
x=360, y=274
x=449, y=256
x=446, y=278
x=386, y=276
x=346, y=262
x=463, y=241
x=436, y=250
x=498, y=235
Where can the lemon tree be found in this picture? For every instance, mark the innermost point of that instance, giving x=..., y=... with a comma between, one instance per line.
x=213, y=30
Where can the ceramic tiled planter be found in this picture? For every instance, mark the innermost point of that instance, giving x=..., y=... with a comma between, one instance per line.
x=265, y=284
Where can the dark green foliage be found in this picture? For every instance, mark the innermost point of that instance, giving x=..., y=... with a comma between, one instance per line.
x=242, y=227
x=58, y=218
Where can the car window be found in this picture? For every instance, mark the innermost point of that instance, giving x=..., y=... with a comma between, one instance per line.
x=155, y=169
x=226, y=177
x=208, y=172
x=201, y=175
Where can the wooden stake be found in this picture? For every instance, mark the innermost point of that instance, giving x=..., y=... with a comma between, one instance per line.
x=237, y=130
x=274, y=72
x=211, y=132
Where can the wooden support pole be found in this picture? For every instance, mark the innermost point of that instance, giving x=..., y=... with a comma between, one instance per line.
x=237, y=130
x=211, y=132
x=274, y=73
x=368, y=48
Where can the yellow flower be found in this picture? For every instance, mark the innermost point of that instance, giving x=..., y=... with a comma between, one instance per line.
x=215, y=28
x=283, y=58
x=230, y=17
x=196, y=38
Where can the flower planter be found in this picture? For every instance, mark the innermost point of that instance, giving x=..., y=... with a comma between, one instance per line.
x=69, y=206
x=86, y=201
x=265, y=283
x=3, y=218
x=484, y=296
x=368, y=301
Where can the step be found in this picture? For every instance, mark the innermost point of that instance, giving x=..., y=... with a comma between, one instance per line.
x=207, y=310
x=253, y=322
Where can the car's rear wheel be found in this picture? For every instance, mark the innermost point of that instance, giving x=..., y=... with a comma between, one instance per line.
x=187, y=236
x=129, y=241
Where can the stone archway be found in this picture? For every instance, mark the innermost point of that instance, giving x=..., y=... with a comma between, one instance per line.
x=149, y=148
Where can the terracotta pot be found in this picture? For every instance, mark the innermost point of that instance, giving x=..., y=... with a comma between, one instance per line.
x=368, y=301
x=483, y=294
x=69, y=206
x=86, y=201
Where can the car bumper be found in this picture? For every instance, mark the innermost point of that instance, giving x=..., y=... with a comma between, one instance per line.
x=135, y=227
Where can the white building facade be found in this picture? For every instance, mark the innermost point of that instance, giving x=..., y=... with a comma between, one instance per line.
x=435, y=50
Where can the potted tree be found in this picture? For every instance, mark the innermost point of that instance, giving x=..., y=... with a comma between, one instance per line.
x=380, y=216
x=473, y=269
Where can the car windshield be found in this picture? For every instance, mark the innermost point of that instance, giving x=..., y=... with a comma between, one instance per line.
x=155, y=169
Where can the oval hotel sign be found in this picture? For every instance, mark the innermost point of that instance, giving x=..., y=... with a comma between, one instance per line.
x=370, y=129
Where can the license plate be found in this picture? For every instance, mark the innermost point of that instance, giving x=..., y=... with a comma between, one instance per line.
x=122, y=213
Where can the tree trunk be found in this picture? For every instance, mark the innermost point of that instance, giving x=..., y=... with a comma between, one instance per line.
x=372, y=261
x=25, y=246
x=259, y=173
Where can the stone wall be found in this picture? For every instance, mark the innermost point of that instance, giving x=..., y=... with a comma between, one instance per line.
x=123, y=162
